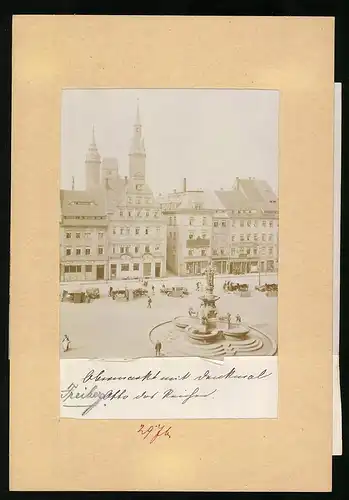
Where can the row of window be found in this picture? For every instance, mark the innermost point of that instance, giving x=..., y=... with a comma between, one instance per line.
x=86, y=235
x=134, y=249
x=224, y=223
x=139, y=201
x=244, y=223
x=83, y=251
x=243, y=251
x=254, y=223
x=202, y=252
x=126, y=267
x=115, y=249
x=243, y=237
x=139, y=213
x=248, y=237
x=126, y=231
x=88, y=268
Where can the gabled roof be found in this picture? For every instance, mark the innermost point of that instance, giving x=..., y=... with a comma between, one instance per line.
x=83, y=203
x=233, y=199
x=188, y=200
x=257, y=190
x=249, y=194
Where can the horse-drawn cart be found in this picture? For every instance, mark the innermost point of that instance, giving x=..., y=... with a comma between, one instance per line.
x=139, y=292
x=120, y=293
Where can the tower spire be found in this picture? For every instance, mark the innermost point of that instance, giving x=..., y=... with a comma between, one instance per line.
x=92, y=163
x=137, y=144
x=92, y=153
x=138, y=118
x=72, y=183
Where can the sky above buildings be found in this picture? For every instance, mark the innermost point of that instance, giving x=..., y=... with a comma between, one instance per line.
x=208, y=136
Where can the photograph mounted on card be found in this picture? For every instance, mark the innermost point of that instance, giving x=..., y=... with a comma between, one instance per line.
x=166, y=150
x=169, y=243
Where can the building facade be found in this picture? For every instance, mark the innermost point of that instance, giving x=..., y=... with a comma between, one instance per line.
x=83, y=236
x=115, y=228
x=190, y=229
x=253, y=213
x=236, y=228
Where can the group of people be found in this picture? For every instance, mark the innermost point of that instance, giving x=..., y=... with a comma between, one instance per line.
x=229, y=286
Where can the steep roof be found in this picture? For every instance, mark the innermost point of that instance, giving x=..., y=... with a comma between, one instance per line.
x=257, y=190
x=207, y=200
x=233, y=199
x=249, y=194
x=83, y=203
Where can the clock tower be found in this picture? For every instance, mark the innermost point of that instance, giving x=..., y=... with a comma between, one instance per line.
x=137, y=153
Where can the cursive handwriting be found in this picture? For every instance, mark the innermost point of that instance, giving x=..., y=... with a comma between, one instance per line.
x=101, y=376
x=154, y=431
x=101, y=388
x=232, y=374
x=170, y=393
x=93, y=394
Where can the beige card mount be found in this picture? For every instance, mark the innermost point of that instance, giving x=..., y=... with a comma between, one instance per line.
x=291, y=55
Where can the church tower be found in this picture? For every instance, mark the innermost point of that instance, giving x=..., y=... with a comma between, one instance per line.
x=137, y=153
x=92, y=165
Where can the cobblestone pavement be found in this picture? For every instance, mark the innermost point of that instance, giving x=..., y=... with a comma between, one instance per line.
x=108, y=328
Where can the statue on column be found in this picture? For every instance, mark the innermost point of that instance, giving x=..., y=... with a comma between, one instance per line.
x=210, y=272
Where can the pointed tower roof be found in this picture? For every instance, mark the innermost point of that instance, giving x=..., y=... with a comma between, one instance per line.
x=138, y=117
x=137, y=144
x=92, y=153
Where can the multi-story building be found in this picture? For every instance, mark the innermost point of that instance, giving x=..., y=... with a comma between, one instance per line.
x=253, y=212
x=83, y=236
x=221, y=241
x=190, y=229
x=236, y=228
x=120, y=218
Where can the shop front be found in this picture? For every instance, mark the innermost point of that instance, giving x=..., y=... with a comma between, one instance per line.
x=78, y=271
x=243, y=266
x=194, y=268
x=221, y=266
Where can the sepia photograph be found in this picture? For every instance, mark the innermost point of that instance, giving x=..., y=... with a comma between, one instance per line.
x=168, y=223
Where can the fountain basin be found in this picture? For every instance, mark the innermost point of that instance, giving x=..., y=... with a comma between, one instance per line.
x=236, y=330
x=200, y=335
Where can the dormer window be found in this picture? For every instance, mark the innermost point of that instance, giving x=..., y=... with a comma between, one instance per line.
x=139, y=187
x=83, y=203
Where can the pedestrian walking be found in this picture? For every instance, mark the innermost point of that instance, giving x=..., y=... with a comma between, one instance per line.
x=238, y=318
x=229, y=320
x=149, y=302
x=153, y=288
x=110, y=291
x=66, y=343
x=158, y=347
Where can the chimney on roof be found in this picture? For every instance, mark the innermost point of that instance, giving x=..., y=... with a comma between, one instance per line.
x=126, y=180
x=184, y=185
x=237, y=184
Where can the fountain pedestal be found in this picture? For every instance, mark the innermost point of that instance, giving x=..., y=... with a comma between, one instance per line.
x=207, y=335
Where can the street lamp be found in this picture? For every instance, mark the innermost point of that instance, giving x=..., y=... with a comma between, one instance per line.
x=259, y=271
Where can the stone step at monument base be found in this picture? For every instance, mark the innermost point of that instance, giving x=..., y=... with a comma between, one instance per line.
x=186, y=348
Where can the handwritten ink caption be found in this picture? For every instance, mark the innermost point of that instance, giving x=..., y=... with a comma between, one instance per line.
x=100, y=388
x=152, y=433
